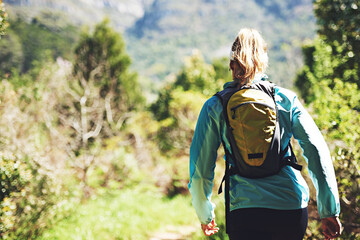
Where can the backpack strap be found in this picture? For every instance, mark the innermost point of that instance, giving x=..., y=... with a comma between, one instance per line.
x=269, y=88
x=226, y=178
x=291, y=159
x=224, y=97
x=265, y=86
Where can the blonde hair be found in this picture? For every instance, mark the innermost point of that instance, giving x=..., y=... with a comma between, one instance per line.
x=250, y=51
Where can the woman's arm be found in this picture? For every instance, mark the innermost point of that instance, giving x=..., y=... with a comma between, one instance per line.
x=321, y=170
x=203, y=154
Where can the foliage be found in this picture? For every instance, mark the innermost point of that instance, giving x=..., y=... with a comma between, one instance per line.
x=100, y=57
x=335, y=53
x=27, y=199
x=3, y=19
x=337, y=111
x=28, y=187
x=98, y=98
x=197, y=75
x=329, y=82
x=322, y=62
x=31, y=130
x=45, y=38
x=338, y=22
x=180, y=101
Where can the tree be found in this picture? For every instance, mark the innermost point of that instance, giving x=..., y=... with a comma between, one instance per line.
x=101, y=58
x=338, y=22
x=340, y=36
x=195, y=76
x=321, y=63
x=339, y=40
x=329, y=82
x=100, y=96
x=46, y=37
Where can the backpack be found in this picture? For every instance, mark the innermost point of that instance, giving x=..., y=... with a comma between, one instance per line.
x=253, y=132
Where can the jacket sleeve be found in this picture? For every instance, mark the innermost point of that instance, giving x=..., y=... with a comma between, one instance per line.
x=203, y=154
x=317, y=155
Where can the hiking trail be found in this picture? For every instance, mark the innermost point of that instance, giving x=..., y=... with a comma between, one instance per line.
x=174, y=233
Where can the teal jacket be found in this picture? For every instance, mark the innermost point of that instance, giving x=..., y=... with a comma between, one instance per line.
x=285, y=191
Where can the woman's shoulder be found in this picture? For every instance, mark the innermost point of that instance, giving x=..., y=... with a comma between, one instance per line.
x=212, y=107
x=284, y=95
x=285, y=91
x=213, y=102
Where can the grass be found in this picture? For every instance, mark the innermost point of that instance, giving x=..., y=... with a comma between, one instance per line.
x=123, y=214
x=138, y=213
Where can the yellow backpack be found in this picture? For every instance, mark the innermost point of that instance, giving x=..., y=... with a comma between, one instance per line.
x=253, y=130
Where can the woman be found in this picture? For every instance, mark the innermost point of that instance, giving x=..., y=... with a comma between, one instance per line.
x=273, y=207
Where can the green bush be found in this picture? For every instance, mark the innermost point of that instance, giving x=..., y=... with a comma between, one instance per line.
x=337, y=107
x=26, y=197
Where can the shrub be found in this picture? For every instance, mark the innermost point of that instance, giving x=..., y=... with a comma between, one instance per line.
x=26, y=197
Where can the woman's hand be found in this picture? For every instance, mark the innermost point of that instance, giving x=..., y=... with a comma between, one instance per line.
x=331, y=227
x=210, y=229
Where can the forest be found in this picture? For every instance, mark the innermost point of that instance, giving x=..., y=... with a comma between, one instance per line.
x=85, y=153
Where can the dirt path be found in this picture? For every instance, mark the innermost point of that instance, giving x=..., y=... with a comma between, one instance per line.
x=175, y=233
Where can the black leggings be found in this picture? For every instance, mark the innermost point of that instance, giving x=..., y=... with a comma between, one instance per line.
x=267, y=224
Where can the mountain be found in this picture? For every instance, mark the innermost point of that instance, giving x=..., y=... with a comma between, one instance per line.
x=172, y=29
x=123, y=13
x=160, y=33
